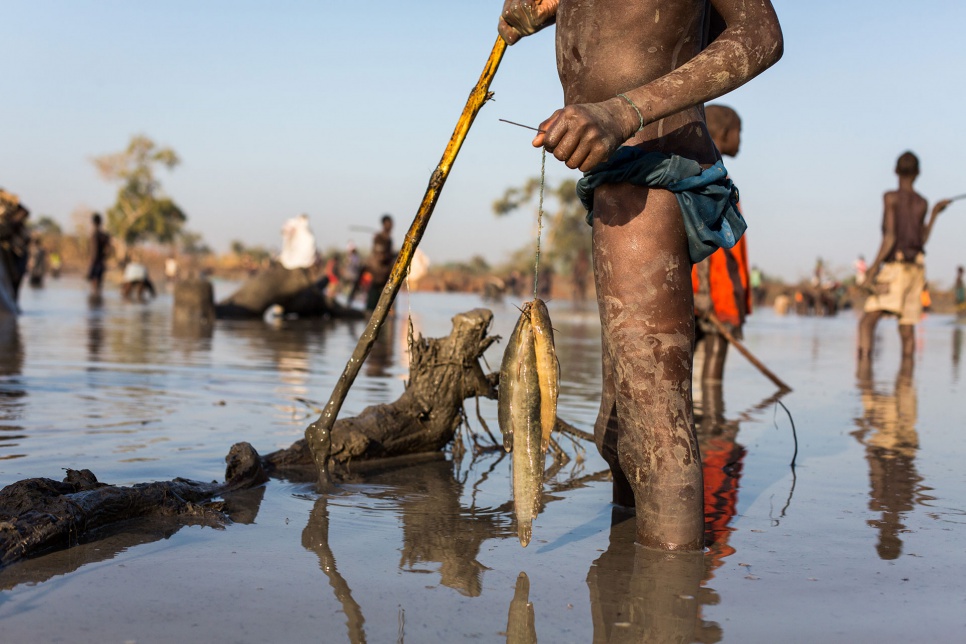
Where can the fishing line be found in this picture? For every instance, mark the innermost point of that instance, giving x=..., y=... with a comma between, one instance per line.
x=543, y=178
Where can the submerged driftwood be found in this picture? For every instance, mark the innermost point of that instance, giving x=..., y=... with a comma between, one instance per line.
x=41, y=514
x=296, y=290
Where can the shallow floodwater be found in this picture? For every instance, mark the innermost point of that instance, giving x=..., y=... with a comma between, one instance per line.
x=862, y=542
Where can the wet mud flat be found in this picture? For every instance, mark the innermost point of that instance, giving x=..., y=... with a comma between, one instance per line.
x=861, y=543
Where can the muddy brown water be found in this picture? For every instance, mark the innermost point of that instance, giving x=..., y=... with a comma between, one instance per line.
x=863, y=542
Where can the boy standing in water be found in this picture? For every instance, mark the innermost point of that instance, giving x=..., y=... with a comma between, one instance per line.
x=898, y=274
x=635, y=75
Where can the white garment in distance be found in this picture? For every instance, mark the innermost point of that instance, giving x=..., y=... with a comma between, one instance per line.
x=298, y=244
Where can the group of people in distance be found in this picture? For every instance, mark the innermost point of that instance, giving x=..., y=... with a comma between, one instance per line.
x=299, y=250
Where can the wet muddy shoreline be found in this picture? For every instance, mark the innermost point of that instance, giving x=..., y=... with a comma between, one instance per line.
x=862, y=542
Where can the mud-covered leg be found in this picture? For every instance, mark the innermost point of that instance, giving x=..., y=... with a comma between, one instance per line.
x=867, y=334
x=606, y=430
x=647, y=321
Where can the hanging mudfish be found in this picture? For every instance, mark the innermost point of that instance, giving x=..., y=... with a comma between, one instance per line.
x=548, y=369
x=529, y=383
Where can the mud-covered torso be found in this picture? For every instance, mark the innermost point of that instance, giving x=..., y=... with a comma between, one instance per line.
x=606, y=47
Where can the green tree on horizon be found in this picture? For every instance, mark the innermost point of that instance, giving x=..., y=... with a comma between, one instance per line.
x=141, y=210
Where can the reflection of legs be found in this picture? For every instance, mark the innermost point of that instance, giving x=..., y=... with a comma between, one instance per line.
x=640, y=595
x=647, y=322
x=712, y=410
x=715, y=352
x=907, y=332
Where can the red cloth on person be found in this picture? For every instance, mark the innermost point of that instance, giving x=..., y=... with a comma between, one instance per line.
x=729, y=283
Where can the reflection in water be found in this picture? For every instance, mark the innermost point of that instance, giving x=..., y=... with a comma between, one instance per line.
x=887, y=429
x=62, y=562
x=383, y=352
x=957, y=350
x=521, y=624
x=643, y=595
x=289, y=346
x=11, y=348
x=436, y=528
x=722, y=458
x=12, y=389
x=659, y=597
x=136, y=341
x=315, y=537
x=193, y=331
x=95, y=335
x=240, y=506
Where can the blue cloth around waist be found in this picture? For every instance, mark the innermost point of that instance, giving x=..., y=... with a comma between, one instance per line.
x=708, y=199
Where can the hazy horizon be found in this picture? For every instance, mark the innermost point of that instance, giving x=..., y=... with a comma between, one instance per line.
x=342, y=110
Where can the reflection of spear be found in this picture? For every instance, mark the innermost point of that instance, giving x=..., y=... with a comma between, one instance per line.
x=711, y=317
x=315, y=537
x=317, y=435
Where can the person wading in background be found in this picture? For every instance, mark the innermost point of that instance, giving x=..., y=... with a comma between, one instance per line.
x=898, y=274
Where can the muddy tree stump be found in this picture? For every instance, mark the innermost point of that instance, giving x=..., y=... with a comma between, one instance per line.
x=194, y=302
x=443, y=373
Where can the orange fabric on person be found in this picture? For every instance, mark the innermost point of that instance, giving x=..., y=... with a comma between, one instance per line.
x=729, y=283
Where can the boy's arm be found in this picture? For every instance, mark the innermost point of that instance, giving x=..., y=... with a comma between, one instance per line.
x=938, y=208
x=584, y=135
x=525, y=17
x=888, y=238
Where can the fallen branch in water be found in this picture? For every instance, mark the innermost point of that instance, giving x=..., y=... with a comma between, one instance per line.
x=566, y=428
x=37, y=515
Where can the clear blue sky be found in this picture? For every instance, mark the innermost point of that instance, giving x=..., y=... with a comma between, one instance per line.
x=342, y=109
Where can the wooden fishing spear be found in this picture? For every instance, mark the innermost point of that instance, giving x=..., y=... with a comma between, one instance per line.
x=318, y=434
